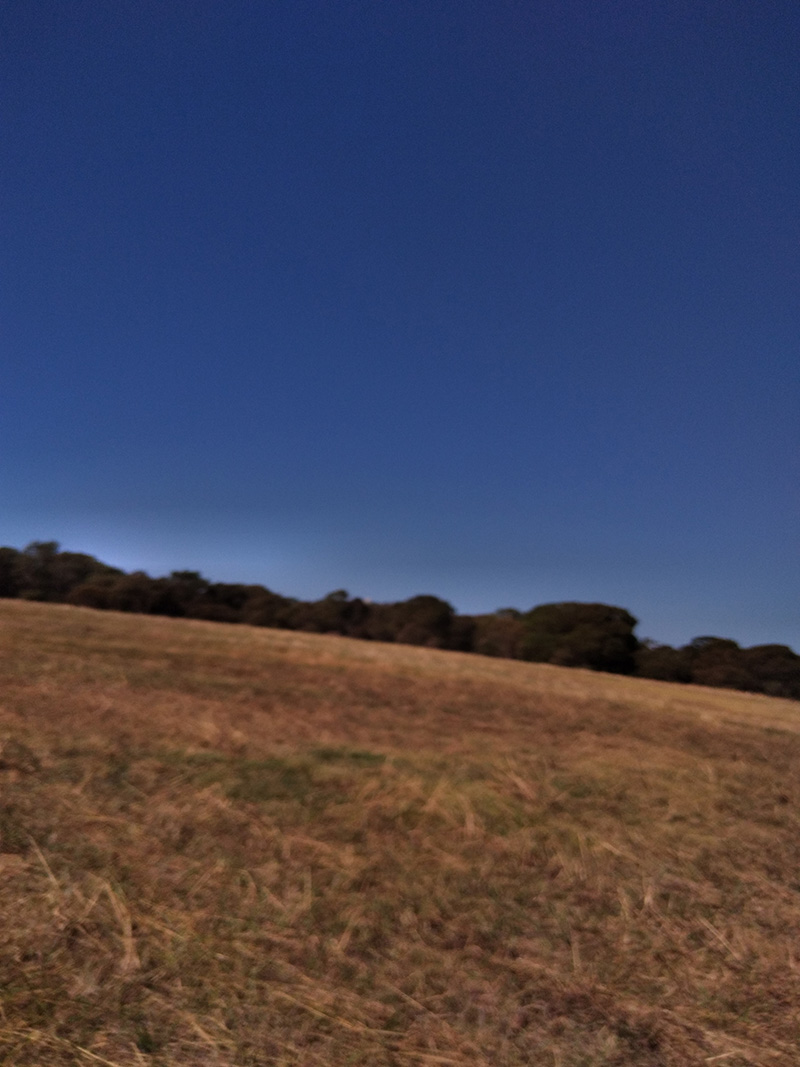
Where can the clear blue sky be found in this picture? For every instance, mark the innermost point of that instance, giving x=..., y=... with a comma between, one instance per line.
x=491, y=300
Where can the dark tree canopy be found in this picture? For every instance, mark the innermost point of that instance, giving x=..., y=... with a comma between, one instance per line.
x=596, y=636
x=42, y=572
x=571, y=634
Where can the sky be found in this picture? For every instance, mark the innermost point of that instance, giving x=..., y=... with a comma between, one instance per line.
x=496, y=301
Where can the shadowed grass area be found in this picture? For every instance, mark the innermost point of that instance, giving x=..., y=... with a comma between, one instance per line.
x=230, y=846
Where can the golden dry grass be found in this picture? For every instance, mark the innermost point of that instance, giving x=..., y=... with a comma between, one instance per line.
x=227, y=846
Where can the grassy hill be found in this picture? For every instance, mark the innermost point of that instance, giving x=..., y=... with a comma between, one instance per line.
x=231, y=846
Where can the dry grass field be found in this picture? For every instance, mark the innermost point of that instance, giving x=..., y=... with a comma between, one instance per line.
x=231, y=846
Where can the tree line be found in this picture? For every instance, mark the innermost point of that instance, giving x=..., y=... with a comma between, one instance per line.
x=595, y=636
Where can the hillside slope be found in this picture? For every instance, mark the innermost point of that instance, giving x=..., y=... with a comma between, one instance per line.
x=226, y=846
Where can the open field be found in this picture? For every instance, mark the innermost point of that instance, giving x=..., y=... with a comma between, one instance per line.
x=231, y=846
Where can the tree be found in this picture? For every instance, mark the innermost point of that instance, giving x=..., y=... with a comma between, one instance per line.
x=663, y=662
x=221, y=602
x=423, y=620
x=45, y=573
x=720, y=662
x=500, y=634
x=337, y=613
x=36, y=570
x=265, y=608
x=9, y=572
x=776, y=669
x=597, y=636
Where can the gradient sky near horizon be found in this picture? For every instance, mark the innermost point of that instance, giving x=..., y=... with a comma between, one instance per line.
x=491, y=300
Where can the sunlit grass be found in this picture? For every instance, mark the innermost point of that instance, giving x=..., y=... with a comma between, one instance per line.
x=223, y=845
